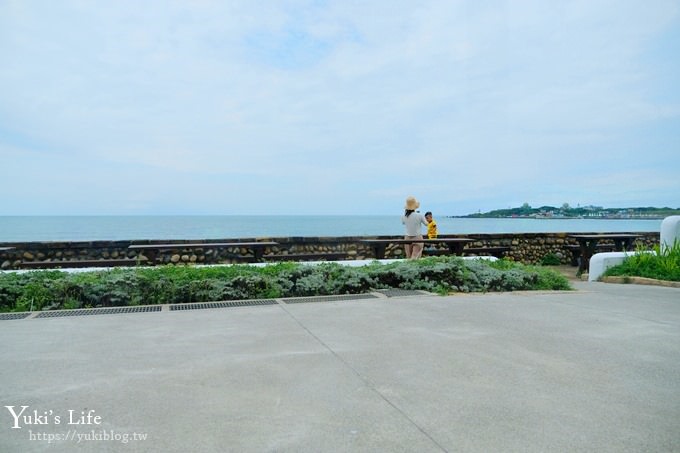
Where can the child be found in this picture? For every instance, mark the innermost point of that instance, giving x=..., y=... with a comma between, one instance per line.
x=431, y=226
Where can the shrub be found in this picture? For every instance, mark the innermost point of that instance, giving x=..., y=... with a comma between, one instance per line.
x=39, y=290
x=661, y=265
x=550, y=259
x=349, y=280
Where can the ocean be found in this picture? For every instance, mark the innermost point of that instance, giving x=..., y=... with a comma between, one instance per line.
x=91, y=228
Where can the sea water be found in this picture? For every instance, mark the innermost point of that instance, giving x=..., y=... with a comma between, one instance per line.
x=90, y=228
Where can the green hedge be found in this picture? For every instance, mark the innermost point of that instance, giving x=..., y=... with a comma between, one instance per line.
x=49, y=290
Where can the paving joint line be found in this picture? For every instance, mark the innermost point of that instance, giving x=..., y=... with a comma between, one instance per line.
x=364, y=379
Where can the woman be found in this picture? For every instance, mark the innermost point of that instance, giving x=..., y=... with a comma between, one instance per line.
x=413, y=220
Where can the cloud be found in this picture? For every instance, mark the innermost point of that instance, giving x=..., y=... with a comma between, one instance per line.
x=345, y=107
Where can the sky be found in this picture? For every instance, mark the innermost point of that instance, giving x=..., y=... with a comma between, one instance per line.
x=336, y=107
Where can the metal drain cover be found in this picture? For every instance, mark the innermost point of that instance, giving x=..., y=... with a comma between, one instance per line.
x=393, y=292
x=342, y=297
x=4, y=316
x=396, y=292
x=97, y=311
x=231, y=303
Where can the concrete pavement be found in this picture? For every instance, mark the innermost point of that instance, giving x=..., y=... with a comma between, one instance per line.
x=597, y=369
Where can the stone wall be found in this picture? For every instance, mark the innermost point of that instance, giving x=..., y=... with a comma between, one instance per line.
x=528, y=248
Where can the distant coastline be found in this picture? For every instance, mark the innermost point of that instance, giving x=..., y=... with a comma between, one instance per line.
x=567, y=212
x=540, y=217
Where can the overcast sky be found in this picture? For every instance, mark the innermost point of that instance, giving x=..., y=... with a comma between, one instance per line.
x=337, y=107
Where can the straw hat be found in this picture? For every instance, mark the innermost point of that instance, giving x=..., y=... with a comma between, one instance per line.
x=412, y=204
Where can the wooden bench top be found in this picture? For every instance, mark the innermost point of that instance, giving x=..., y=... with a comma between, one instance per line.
x=380, y=245
x=411, y=241
x=196, y=245
x=78, y=263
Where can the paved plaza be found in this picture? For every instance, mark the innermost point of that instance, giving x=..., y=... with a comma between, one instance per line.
x=596, y=369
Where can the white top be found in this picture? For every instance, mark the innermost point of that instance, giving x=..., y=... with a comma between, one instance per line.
x=412, y=223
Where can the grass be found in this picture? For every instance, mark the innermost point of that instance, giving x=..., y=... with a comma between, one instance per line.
x=662, y=265
x=49, y=290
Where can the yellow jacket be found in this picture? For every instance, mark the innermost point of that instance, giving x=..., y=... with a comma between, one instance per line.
x=432, y=230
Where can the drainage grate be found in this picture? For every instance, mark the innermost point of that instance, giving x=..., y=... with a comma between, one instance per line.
x=395, y=292
x=203, y=305
x=342, y=297
x=231, y=303
x=98, y=311
x=4, y=316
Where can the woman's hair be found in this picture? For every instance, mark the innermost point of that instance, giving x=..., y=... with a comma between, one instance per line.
x=408, y=212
